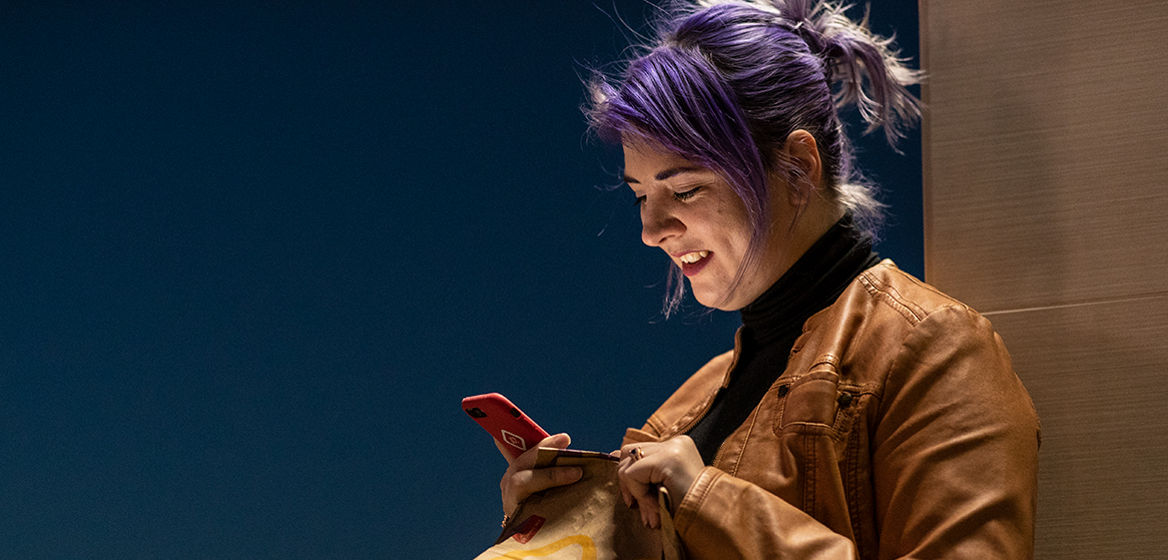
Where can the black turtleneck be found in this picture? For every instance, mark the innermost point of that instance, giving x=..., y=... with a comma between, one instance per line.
x=771, y=323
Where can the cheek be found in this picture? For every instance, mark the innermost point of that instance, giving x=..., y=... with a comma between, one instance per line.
x=723, y=226
x=732, y=214
x=735, y=236
x=735, y=230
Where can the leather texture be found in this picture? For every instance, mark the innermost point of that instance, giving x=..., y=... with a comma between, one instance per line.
x=898, y=430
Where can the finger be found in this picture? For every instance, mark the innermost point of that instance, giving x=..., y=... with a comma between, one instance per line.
x=641, y=477
x=654, y=512
x=641, y=490
x=631, y=485
x=647, y=503
x=516, y=486
x=626, y=486
x=537, y=480
x=626, y=494
x=515, y=481
x=504, y=451
x=558, y=441
x=627, y=450
x=527, y=459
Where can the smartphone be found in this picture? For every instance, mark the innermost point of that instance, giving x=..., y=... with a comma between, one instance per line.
x=504, y=421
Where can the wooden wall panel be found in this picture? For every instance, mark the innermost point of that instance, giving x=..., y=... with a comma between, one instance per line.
x=1045, y=147
x=1046, y=208
x=1099, y=377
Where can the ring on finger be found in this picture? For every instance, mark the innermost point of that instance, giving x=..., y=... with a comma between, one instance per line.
x=636, y=454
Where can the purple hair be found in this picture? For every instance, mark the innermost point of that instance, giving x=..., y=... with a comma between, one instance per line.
x=729, y=80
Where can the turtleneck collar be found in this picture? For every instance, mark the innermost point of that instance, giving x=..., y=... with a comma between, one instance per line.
x=811, y=284
x=772, y=323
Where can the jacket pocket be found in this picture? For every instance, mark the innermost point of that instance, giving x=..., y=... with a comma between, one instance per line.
x=809, y=401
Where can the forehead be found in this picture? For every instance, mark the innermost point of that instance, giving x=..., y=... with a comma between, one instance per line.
x=643, y=161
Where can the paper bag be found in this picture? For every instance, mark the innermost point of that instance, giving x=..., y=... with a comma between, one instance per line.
x=586, y=520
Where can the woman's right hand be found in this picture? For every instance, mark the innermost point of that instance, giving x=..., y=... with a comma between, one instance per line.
x=522, y=479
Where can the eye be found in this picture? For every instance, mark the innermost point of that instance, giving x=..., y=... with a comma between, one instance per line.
x=686, y=195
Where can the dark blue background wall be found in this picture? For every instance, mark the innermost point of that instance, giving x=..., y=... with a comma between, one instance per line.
x=253, y=256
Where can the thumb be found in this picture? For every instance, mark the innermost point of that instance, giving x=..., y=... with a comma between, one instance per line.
x=558, y=441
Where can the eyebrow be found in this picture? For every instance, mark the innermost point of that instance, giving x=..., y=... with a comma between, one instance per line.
x=667, y=173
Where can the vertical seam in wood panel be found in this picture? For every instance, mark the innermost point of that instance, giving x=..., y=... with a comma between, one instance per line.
x=926, y=152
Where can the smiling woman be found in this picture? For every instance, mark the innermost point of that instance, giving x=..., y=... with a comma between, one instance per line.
x=691, y=214
x=861, y=413
x=702, y=224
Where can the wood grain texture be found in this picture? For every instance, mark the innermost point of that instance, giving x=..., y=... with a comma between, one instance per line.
x=1098, y=374
x=1045, y=141
x=1046, y=208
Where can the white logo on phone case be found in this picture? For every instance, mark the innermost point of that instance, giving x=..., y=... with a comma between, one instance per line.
x=513, y=440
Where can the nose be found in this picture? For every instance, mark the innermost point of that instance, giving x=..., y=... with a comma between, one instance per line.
x=658, y=225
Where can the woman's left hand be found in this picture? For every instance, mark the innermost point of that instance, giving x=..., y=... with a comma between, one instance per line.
x=673, y=463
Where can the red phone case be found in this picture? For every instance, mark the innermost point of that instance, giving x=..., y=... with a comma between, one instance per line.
x=504, y=421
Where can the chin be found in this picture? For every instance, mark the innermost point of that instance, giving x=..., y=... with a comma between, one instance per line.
x=713, y=300
x=720, y=300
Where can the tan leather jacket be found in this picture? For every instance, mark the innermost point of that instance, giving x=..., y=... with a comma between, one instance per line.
x=898, y=430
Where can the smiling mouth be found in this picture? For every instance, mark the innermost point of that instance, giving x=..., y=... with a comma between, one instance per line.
x=693, y=263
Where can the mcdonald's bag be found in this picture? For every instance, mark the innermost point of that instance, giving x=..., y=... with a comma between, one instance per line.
x=586, y=520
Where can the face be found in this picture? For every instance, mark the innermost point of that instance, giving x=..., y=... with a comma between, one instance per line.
x=693, y=215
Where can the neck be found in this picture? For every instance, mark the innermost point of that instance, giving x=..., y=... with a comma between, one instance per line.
x=812, y=283
x=811, y=222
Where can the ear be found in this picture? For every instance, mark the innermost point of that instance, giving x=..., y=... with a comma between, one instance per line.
x=802, y=152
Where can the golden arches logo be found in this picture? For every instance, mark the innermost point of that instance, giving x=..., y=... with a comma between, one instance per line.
x=588, y=549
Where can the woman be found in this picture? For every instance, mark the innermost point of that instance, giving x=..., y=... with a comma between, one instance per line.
x=862, y=413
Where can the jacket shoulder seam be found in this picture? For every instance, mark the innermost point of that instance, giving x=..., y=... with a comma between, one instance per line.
x=887, y=294
x=900, y=354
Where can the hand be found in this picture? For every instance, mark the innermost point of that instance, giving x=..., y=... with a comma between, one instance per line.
x=521, y=479
x=674, y=463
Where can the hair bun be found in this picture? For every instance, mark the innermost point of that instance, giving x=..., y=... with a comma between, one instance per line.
x=850, y=53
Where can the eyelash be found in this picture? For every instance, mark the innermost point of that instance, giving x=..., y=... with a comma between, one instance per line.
x=686, y=195
x=680, y=196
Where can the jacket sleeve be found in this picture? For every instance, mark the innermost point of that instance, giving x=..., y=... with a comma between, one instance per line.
x=725, y=517
x=954, y=443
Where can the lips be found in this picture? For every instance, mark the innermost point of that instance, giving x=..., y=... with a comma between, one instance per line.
x=692, y=262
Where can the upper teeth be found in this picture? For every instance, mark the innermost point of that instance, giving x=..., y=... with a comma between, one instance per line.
x=690, y=258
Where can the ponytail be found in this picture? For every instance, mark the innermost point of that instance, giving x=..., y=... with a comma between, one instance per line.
x=853, y=52
x=850, y=52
